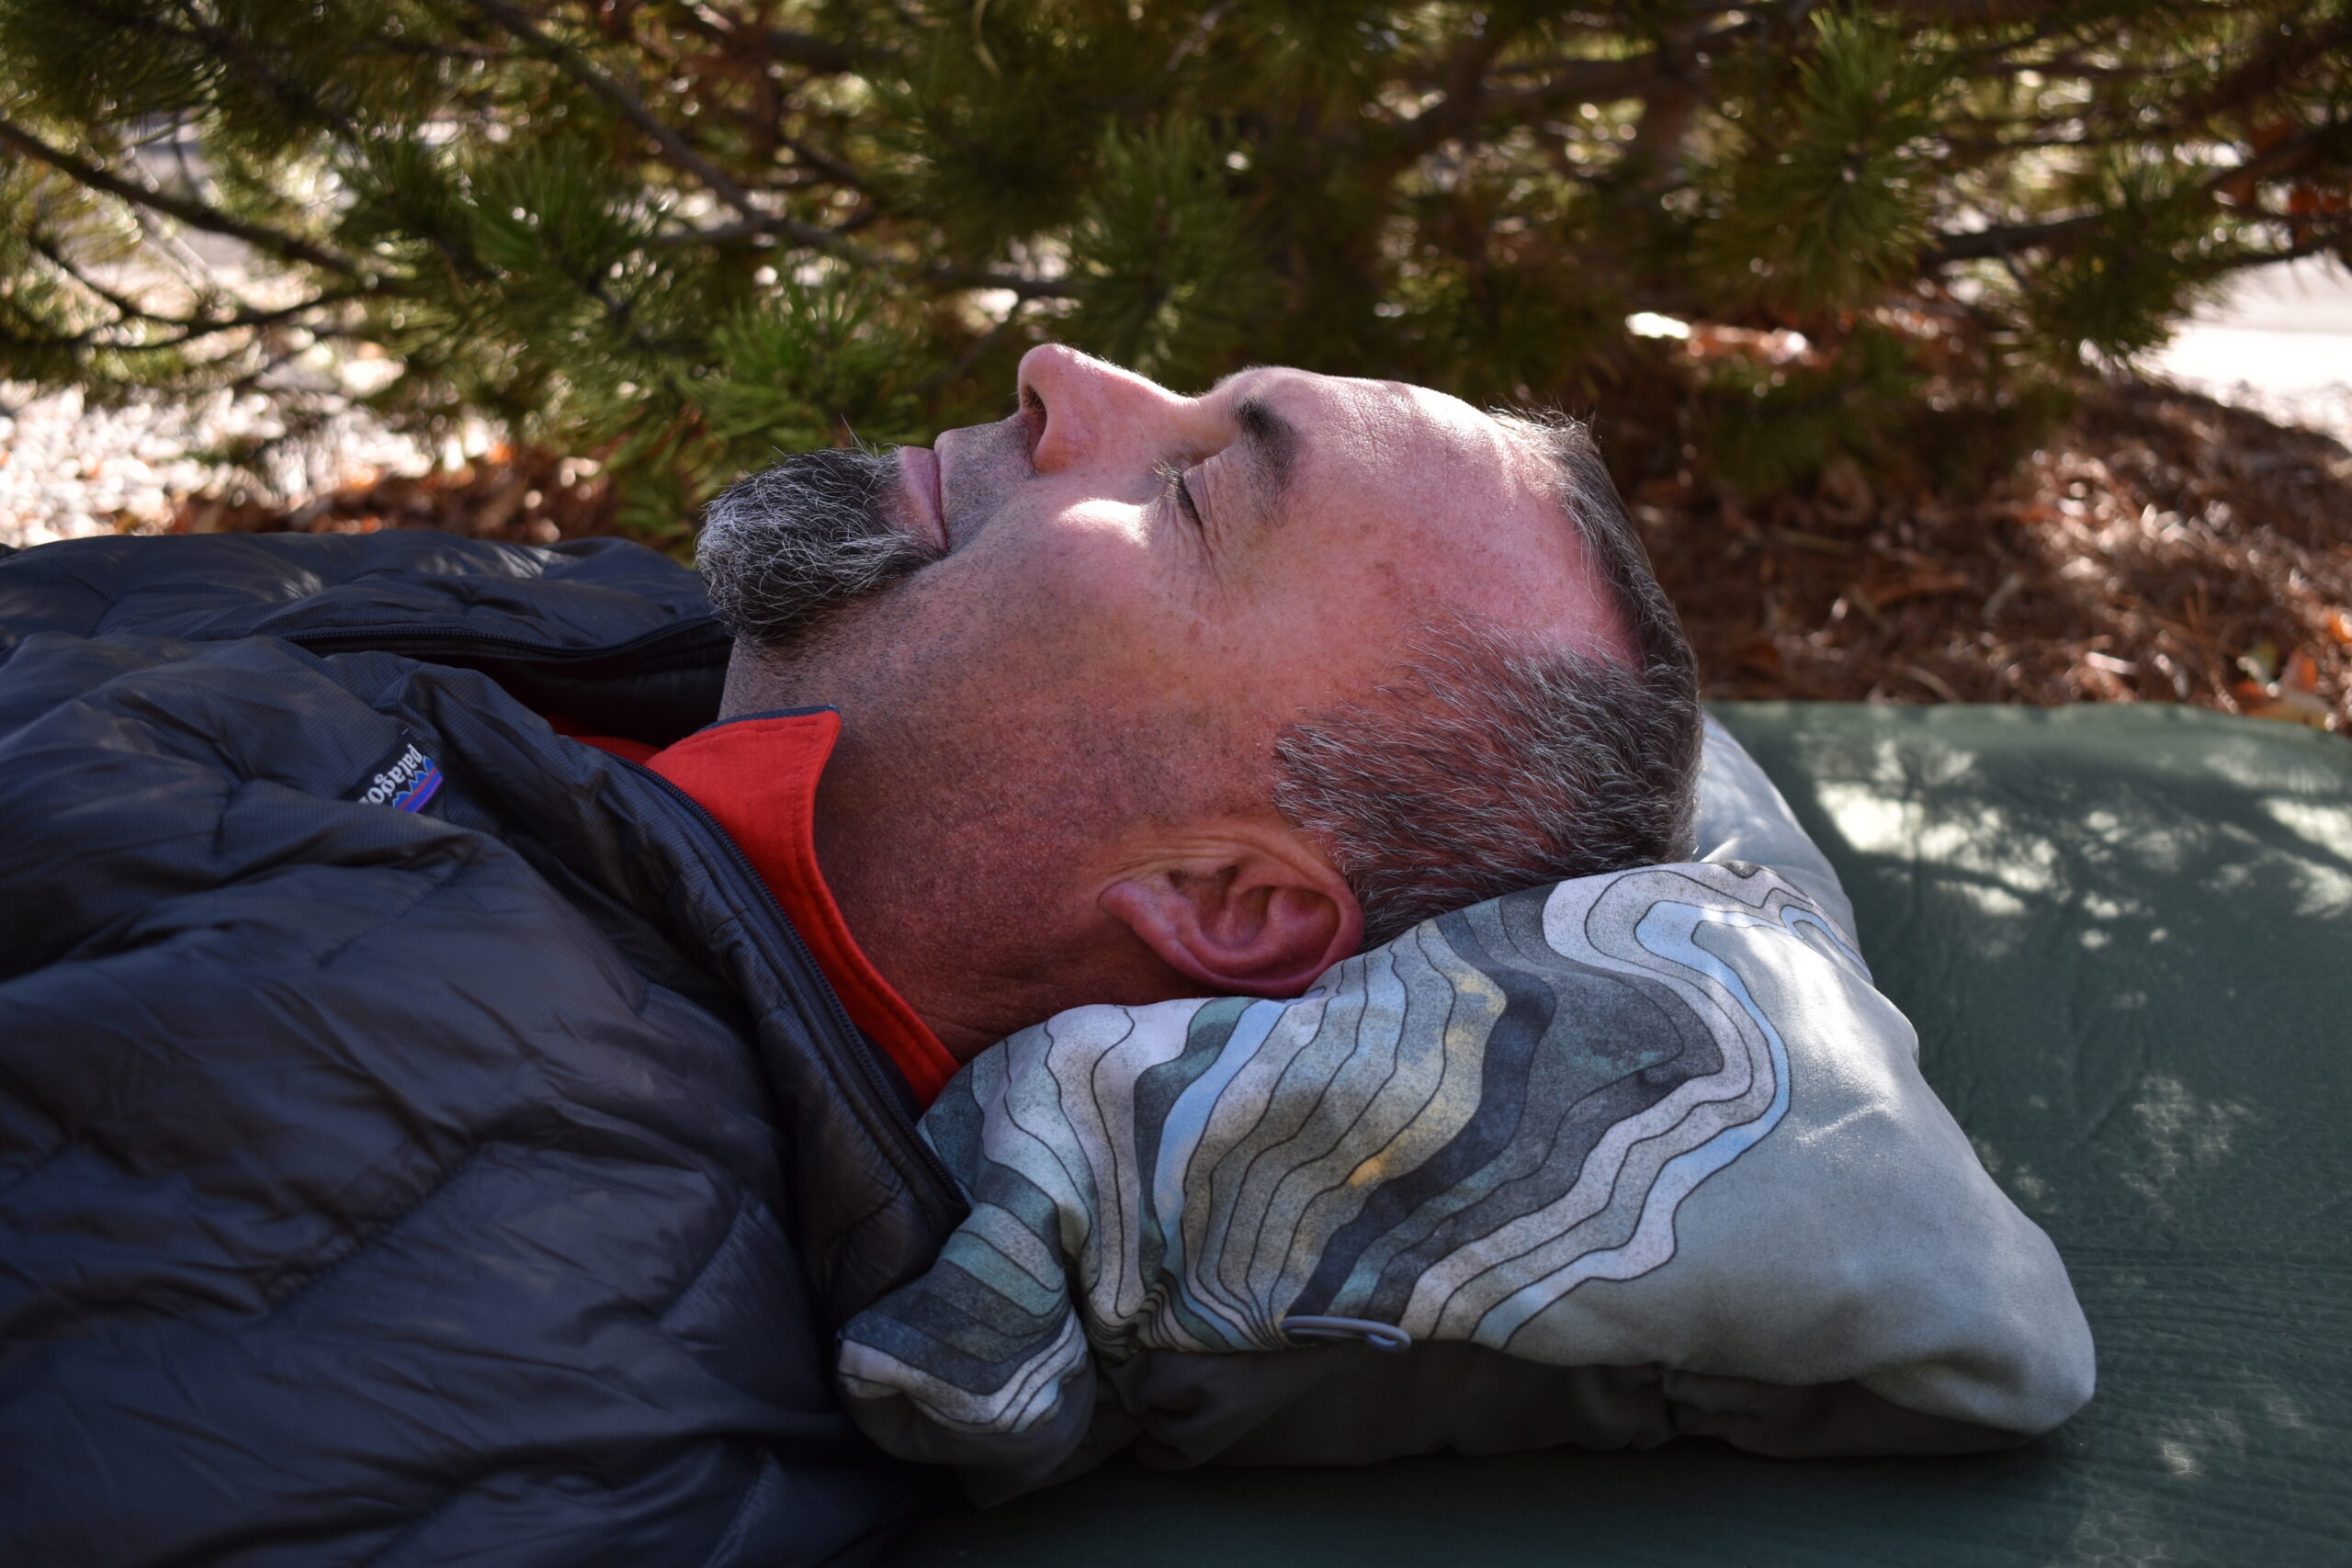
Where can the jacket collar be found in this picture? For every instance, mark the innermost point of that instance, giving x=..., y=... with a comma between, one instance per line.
x=757, y=778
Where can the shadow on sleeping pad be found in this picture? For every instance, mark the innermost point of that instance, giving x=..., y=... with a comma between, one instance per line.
x=2119, y=932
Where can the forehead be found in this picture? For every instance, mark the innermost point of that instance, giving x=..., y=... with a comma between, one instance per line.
x=1442, y=503
x=1408, y=435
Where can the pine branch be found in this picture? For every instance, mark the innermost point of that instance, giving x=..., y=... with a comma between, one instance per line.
x=1983, y=13
x=1196, y=38
x=680, y=152
x=818, y=56
x=826, y=163
x=813, y=53
x=2328, y=237
x=1989, y=145
x=196, y=215
x=1667, y=69
x=631, y=107
x=1022, y=288
x=125, y=308
x=2266, y=72
x=944, y=276
x=2005, y=241
x=1465, y=87
x=190, y=328
x=291, y=94
x=1586, y=81
x=194, y=331
x=1268, y=229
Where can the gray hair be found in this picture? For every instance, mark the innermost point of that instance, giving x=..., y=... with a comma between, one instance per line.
x=780, y=550
x=1492, y=760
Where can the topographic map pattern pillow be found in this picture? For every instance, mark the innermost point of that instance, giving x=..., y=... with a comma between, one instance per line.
x=1482, y=1141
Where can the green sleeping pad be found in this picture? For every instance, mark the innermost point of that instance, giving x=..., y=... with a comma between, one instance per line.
x=2125, y=935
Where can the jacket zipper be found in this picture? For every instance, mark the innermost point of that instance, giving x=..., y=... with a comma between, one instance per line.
x=877, y=1072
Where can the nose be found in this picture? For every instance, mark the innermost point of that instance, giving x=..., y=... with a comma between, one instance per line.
x=1094, y=411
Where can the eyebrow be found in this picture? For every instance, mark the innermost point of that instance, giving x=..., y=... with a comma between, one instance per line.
x=1269, y=445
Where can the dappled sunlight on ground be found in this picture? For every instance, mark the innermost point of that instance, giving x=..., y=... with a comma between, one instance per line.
x=2122, y=936
x=2079, y=877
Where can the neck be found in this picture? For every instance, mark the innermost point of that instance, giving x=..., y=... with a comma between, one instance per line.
x=957, y=858
x=978, y=958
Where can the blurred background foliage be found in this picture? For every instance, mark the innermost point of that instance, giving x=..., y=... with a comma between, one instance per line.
x=1768, y=244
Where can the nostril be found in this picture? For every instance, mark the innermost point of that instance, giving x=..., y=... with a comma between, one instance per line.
x=1035, y=420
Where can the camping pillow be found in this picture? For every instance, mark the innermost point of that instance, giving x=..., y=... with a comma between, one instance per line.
x=1629, y=1157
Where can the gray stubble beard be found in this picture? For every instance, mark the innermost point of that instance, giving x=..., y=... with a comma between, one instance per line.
x=785, y=550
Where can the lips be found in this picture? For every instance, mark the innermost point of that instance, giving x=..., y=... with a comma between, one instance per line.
x=918, y=487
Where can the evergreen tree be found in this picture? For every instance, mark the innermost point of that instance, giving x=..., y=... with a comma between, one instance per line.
x=682, y=233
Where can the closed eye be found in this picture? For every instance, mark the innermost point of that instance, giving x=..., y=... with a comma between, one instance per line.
x=1172, y=477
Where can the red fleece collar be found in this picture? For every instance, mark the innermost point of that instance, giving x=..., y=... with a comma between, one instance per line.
x=757, y=777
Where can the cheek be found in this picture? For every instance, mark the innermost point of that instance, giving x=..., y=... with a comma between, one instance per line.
x=1325, y=624
x=1083, y=604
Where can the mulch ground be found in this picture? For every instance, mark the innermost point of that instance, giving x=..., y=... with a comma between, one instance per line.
x=2160, y=547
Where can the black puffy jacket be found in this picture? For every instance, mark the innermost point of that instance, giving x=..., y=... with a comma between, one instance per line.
x=484, y=1182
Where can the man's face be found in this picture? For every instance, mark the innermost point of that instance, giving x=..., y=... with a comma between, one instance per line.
x=1130, y=594
x=1246, y=556
x=1256, y=551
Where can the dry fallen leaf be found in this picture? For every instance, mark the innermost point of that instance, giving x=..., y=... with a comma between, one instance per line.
x=2296, y=707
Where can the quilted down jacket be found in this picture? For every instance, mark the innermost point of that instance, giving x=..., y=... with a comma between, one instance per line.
x=421, y=1136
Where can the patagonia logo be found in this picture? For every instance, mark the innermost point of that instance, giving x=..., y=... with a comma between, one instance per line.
x=405, y=781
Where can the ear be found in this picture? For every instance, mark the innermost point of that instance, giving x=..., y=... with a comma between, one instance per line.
x=1244, y=908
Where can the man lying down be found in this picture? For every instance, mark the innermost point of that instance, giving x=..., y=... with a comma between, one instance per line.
x=459, y=1066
